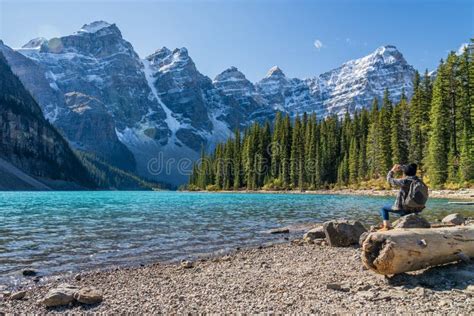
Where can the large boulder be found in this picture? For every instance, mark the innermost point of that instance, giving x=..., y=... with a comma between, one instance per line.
x=343, y=233
x=62, y=295
x=315, y=233
x=454, y=219
x=411, y=221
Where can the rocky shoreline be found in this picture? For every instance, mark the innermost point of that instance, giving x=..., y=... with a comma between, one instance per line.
x=462, y=194
x=305, y=275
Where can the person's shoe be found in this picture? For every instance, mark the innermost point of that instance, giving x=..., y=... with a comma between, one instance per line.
x=385, y=228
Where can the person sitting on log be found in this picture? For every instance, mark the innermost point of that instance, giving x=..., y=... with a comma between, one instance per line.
x=412, y=195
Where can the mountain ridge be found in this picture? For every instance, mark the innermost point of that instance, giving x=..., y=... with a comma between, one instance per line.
x=162, y=104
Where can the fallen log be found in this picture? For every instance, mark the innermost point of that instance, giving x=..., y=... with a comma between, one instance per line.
x=402, y=250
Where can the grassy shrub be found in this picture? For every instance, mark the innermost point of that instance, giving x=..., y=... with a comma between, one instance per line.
x=212, y=187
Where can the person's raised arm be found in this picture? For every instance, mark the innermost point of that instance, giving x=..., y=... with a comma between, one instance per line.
x=391, y=179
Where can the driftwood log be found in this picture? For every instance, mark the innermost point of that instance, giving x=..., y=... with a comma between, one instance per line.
x=402, y=250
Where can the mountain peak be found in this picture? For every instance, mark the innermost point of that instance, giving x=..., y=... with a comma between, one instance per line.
x=231, y=72
x=275, y=71
x=94, y=27
x=386, y=49
x=35, y=43
x=163, y=51
x=183, y=51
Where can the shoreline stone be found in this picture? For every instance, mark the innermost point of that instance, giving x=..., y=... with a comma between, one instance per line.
x=59, y=296
x=88, y=296
x=455, y=219
x=411, y=221
x=343, y=233
x=315, y=233
x=29, y=272
x=282, y=230
x=18, y=295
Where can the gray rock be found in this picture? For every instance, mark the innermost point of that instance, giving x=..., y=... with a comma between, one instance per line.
x=411, y=221
x=315, y=233
x=78, y=277
x=470, y=289
x=187, y=264
x=18, y=295
x=29, y=272
x=343, y=233
x=455, y=219
x=337, y=287
x=364, y=287
x=62, y=295
x=88, y=296
x=282, y=230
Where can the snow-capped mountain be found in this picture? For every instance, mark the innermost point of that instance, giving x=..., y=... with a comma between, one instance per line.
x=94, y=87
x=356, y=83
x=352, y=86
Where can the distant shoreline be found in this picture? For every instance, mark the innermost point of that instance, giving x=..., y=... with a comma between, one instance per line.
x=462, y=194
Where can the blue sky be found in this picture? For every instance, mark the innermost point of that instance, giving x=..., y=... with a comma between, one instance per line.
x=304, y=38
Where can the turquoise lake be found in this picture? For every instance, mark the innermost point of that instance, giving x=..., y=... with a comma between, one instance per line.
x=61, y=232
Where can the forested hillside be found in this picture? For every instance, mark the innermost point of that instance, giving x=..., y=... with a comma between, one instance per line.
x=29, y=142
x=433, y=129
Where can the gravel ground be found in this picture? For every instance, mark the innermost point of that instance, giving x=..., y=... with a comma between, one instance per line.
x=284, y=278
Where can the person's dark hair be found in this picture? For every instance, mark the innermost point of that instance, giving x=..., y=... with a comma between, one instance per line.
x=410, y=169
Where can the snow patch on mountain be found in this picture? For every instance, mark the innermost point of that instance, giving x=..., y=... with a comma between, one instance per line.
x=173, y=124
x=94, y=27
x=35, y=43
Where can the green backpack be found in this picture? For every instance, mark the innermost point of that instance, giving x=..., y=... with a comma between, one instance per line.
x=417, y=195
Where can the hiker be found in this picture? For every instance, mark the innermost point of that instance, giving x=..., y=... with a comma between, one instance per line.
x=412, y=195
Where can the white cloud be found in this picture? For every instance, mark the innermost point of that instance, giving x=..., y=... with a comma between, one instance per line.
x=461, y=49
x=318, y=44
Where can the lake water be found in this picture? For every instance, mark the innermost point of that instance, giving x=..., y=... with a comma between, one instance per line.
x=58, y=232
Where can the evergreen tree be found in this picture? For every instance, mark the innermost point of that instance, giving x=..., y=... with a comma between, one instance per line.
x=384, y=154
x=439, y=133
x=237, y=161
x=466, y=99
x=353, y=161
x=373, y=142
x=400, y=132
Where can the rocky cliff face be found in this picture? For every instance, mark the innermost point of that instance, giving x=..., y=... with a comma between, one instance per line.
x=251, y=106
x=194, y=107
x=29, y=142
x=95, y=88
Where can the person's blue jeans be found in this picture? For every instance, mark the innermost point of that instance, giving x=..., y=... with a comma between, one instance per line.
x=388, y=209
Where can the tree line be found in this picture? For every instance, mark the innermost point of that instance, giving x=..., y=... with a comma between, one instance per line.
x=433, y=129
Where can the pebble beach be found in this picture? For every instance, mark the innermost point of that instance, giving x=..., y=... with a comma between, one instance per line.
x=293, y=277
